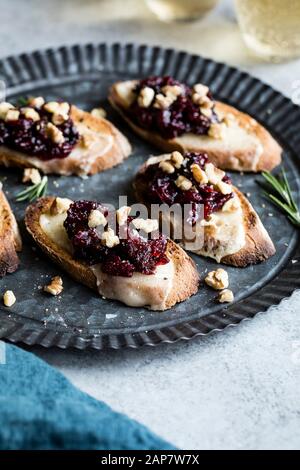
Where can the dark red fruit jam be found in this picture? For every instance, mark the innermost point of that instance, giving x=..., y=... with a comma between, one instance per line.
x=181, y=117
x=27, y=136
x=133, y=254
x=161, y=188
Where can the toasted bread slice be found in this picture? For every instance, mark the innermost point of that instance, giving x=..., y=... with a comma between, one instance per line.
x=185, y=281
x=10, y=239
x=106, y=147
x=245, y=146
x=234, y=239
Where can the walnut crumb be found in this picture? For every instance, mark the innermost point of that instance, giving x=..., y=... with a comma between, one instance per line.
x=110, y=239
x=147, y=225
x=60, y=205
x=122, y=214
x=214, y=174
x=167, y=167
x=146, y=97
x=4, y=108
x=177, y=159
x=218, y=279
x=183, y=183
x=226, y=296
x=36, y=102
x=54, y=134
x=55, y=287
x=31, y=175
x=96, y=218
x=216, y=131
x=9, y=298
x=31, y=113
x=199, y=175
x=12, y=115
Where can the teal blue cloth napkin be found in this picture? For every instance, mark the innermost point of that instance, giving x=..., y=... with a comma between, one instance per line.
x=41, y=409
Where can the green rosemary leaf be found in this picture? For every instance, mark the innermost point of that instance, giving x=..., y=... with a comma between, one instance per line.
x=278, y=191
x=22, y=101
x=33, y=192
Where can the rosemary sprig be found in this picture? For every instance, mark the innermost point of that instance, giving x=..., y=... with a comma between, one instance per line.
x=22, y=101
x=33, y=192
x=278, y=191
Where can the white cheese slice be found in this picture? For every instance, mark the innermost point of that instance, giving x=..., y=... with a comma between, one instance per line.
x=81, y=156
x=138, y=291
x=235, y=140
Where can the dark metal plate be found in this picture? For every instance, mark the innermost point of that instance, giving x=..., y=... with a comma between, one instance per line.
x=82, y=74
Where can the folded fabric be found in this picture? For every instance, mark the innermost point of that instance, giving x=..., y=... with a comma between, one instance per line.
x=41, y=409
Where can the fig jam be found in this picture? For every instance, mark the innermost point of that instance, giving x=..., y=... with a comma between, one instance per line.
x=30, y=137
x=133, y=254
x=161, y=188
x=182, y=116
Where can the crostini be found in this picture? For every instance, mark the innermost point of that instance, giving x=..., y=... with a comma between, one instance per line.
x=122, y=263
x=223, y=220
x=56, y=137
x=10, y=239
x=174, y=116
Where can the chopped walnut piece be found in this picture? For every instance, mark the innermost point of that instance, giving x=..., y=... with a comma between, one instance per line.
x=60, y=206
x=231, y=206
x=147, y=225
x=59, y=119
x=109, y=238
x=96, y=218
x=9, y=298
x=216, y=131
x=218, y=279
x=54, y=134
x=122, y=215
x=55, y=287
x=183, y=183
x=30, y=113
x=37, y=102
x=12, y=115
x=199, y=175
x=214, y=174
x=167, y=167
x=224, y=188
x=4, y=108
x=206, y=112
x=164, y=102
x=201, y=89
x=31, y=175
x=177, y=159
x=226, y=296
x=172, y=90
x=99, y=113
x=146, y=97
x=54, y=107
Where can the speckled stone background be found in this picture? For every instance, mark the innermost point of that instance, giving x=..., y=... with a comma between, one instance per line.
x=234, y=390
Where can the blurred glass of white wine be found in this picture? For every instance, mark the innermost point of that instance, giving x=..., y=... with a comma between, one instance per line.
x=271, y=28
x=180, y=10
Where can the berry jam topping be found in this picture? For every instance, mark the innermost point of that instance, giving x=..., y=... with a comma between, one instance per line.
x=39, y=129
x=171, y=108
x=171, y=185
x=121, y=252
